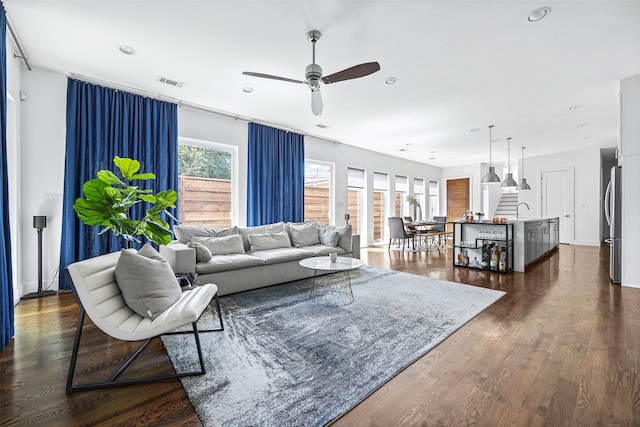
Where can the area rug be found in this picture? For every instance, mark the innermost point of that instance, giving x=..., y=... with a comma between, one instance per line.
x=287, y=360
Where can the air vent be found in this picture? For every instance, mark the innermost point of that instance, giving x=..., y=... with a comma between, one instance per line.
x=171, y=82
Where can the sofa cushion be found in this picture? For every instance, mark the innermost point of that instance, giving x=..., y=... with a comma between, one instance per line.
x=320, y=250
x=276, y=256
x=147, y=282
x=259, y=229
x=184, y=233
x=220, y=263
x=305, y=234
x=222, y=245
x=329, y=236
x=203, y=254
x=344, y=235
x=262, y=242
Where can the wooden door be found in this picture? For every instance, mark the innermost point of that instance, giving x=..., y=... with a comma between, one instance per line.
x=457, y=198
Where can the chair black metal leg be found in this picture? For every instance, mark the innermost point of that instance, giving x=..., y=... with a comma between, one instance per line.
x=221, y=328
x=111, y=382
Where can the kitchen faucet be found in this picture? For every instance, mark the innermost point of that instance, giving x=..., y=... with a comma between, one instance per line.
x=517, y=206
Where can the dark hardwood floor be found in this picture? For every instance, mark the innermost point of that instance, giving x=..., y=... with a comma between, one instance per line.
x=562, y=347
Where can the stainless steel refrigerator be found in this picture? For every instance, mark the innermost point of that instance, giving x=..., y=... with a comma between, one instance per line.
x=613, y=212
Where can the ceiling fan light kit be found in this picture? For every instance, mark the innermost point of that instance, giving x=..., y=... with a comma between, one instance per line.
x=313, y=74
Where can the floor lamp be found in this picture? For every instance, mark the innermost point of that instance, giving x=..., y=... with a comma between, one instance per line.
x=39, y=222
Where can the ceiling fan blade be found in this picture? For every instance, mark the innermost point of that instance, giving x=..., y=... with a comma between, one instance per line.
x=269, y=76
x=354, y=72
x=316, y=102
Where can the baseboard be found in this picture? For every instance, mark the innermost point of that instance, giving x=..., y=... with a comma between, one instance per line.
x=586, y=242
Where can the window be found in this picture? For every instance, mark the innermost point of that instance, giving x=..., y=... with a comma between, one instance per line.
x=402, y=188
x=205, y=183
x=380, y=203
x=418, y=193
x=356, y=199
x=434, y=199
x=318, y=184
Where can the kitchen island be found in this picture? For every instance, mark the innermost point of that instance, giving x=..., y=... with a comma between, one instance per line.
x=533, y=239
x=504, y=247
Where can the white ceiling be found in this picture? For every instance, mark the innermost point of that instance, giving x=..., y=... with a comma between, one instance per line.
x=460, y=65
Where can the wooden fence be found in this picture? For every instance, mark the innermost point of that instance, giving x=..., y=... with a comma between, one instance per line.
x=205, y=201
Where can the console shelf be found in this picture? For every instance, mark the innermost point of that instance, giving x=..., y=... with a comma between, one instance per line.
x=483, y=246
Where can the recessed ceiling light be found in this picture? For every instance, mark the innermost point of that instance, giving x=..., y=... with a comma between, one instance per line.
x=402, y=149
x=575, y=107
x=321, y=126
x=409, y=143
x=538, y=14
x=127, y=50
x=391, y=80
x=586, y=137
x=475, y=130
x=432, y=158
x=247, y=89
x=581, y=125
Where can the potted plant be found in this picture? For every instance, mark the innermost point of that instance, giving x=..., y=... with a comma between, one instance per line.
x=108, y=199
x=413, y=201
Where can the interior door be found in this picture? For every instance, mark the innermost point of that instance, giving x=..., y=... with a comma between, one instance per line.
x=457, y=198
x=556, y=199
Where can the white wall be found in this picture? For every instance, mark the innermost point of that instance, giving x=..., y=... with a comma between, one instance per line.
x=586, y=165
x=13, y=161
x=43, y=131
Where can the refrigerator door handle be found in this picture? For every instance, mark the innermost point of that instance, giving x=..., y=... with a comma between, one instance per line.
x=607, y=203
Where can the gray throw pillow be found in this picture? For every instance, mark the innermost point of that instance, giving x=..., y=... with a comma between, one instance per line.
x=184, y=233
x=221, y=245
x=305, y=234
x=263, y=242
x=344, y=235
x=203, y=254
x=329, y=236
x=245, y=232
x=147, y=282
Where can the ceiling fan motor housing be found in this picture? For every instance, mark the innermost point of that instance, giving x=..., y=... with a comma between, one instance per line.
x=313, y=74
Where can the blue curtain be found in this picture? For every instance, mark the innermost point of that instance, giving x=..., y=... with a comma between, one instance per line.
x=6, y=279
x=275, y=184
x=103, y=123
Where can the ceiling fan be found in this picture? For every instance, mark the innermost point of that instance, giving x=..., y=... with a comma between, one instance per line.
x=313, y=74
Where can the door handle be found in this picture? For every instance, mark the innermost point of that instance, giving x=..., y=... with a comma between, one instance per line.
x=567, y=216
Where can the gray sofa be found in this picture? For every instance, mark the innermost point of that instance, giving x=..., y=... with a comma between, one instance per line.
x=238, y=259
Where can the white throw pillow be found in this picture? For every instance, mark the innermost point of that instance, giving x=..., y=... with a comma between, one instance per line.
x=184, y=233
x=221, y=245
x=263, y=242
x=203, y=254
x=345, y=234
x=147, y=282
x=245, y=232
x=329, y=236
x=305, y=234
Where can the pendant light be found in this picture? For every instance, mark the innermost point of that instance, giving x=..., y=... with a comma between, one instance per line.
x=523, y=186
x=509, y=184
x=490, y=177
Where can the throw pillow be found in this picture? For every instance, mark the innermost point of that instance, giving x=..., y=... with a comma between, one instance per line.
x=184, y=233
x=147, y=282
x=203, y=254
x=329, y=236
x=276, y=227
x=345, y=234
x=305, y=234
x=262, y=242
x=221, y=245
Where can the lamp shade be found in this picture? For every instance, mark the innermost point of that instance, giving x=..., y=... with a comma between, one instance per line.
x=523, y=186
x=491, y=177
x=509, y=184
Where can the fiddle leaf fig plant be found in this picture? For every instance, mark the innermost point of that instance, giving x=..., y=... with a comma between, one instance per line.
x=108, y=199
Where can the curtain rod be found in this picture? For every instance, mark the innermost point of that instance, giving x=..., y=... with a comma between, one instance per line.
x=23, y=53
x=192, y=105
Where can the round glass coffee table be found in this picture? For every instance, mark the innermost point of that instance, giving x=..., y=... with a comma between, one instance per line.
x=331, y=280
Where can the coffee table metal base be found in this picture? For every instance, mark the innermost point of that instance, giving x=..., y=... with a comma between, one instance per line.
x=333, y=288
